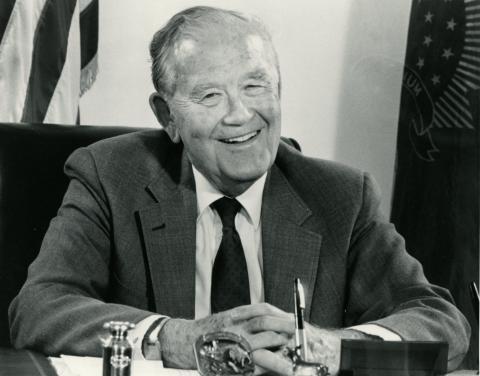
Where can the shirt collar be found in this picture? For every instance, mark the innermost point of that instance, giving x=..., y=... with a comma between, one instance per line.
x=251, y=199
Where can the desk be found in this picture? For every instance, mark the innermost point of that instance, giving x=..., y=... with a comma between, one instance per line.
x=29, y=363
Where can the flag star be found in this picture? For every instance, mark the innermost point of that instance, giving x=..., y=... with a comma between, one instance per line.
x=427, y=40
x=420, y=63
x=429, y=17
x=447, y=53
x=451, y=24
x=436, y=79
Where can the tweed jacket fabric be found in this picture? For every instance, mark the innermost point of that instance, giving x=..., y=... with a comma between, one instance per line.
x=123, y=246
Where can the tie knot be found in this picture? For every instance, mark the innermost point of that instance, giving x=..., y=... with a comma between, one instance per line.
x=227, y=209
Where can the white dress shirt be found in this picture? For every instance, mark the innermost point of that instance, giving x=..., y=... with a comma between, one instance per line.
x=208, y=238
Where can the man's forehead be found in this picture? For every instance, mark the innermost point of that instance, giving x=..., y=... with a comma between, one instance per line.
x=184, y=48
x=256, y=44
x=250, y=45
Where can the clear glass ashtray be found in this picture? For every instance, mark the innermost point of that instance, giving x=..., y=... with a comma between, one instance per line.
x=223, y=353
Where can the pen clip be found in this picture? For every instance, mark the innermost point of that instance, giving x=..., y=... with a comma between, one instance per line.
x=300, y=293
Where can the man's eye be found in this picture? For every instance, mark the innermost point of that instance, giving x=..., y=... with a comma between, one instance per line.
x=210, y=99
x=255, y=89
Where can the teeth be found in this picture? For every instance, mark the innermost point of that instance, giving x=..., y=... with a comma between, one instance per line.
x=241, y=138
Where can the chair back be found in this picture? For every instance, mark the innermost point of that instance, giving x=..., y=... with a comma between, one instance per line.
x=32, y=185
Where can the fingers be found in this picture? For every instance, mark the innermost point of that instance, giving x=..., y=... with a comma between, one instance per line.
x=271, y=323
x=249, y=311
x=272, y=362
x=265, y=340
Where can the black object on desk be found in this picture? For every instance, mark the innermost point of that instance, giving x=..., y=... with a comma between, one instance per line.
x=24, y=363
x=383, y=358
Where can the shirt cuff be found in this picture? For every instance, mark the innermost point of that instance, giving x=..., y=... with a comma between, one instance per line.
x=379, y=331
x=136, y=335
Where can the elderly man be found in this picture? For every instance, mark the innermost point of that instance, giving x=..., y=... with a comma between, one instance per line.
x=204, y=225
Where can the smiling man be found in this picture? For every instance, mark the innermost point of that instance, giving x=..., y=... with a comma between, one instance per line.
x=204, y=225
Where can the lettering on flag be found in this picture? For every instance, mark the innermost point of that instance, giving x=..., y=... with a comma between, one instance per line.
x=442, y=66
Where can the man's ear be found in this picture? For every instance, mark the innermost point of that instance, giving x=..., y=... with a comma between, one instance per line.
x=162, y=113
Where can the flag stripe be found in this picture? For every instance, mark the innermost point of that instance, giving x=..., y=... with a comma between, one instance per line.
x=466, y=81
x=6, y=8
x=469, y=66
x=471, y=8
x=453, y=120
x=16, y=57
x=63, y=106
x=472, y=16
x=84, y=4
x=474, y=49
x=89, y=32
x=456, y=114
x=49, y=53
x=461, y=107
x=473, y=76
x=459, y=84
x=446, y=124
x=458, y=95
x=436, y=123
x=471, y=57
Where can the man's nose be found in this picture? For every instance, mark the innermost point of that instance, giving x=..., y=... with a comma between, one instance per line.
x=238, y=112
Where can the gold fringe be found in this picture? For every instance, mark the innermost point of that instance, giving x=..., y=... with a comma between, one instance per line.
x=88, y=75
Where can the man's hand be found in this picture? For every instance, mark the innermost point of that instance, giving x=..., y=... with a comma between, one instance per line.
x=266, y=328
x=324, y=345
x=262, y=325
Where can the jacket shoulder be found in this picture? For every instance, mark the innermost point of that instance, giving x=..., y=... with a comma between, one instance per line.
x=137, y=153
x=319, y=176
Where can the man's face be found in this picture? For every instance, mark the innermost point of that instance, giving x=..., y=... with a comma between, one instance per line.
x=226, y=107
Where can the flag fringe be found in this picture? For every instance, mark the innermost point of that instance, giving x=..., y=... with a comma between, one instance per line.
x=88, y=75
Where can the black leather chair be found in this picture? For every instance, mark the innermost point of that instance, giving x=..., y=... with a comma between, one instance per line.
x=32, y=185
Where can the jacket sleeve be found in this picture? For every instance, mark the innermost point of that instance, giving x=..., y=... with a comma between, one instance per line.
x=387, y=286
x=62, y=306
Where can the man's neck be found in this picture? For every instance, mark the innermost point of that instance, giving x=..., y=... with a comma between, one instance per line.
x=232, y=188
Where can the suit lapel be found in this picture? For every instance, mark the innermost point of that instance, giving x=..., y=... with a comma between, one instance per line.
x=289, y=250
x=169, y=231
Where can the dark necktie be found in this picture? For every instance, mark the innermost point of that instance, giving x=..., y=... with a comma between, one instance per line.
x=230, y=287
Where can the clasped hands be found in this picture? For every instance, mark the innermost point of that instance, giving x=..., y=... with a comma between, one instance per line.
x=269, y=331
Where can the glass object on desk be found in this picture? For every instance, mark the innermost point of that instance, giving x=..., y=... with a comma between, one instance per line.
x=223, y=353
x=303, y=368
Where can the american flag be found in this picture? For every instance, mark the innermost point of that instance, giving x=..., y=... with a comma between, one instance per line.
x=48, y=52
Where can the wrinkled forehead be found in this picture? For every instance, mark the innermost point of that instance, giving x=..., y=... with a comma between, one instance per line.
x=222, y=49
x=246, y=43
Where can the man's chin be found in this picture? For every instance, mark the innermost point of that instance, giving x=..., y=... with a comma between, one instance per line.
x=238, y=182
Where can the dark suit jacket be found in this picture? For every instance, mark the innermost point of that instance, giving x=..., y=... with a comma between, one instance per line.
x=123, y=246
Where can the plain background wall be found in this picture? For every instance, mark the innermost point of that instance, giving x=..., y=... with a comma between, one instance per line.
x=341, y=64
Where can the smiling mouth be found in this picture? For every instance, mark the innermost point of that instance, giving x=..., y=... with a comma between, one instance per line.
x=241, y=139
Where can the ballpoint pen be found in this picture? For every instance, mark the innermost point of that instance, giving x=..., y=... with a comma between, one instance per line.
x=300, y=334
